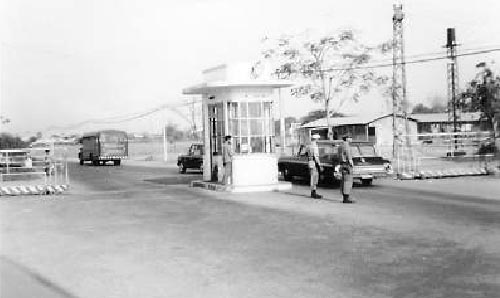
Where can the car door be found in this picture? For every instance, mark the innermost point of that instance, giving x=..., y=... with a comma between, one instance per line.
x=301, y=165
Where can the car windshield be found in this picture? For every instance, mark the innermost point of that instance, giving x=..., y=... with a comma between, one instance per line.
x=327, y=149
x=367, y=150
x=355, y=151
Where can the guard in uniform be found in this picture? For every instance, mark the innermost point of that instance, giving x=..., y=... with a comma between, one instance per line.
x=314, y=165
x=347, y=167
x=227, y=161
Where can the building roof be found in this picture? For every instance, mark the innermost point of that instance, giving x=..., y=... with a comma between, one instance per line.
x=443, y=117
x=350, y=120
x=207, y=87
x=237, y=75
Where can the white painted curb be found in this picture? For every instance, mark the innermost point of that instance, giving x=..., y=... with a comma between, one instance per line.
x=33, y=190
x=428, y=174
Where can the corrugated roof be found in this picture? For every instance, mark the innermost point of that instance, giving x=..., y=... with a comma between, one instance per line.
x=443, y=117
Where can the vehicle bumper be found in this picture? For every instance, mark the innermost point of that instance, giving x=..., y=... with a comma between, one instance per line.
x=112, y=157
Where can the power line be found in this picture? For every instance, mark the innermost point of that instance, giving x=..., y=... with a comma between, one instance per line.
x=126, y=118
x=416, y=61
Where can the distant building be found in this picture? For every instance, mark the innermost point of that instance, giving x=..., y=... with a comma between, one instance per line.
x=440, y=123
x=375, y=129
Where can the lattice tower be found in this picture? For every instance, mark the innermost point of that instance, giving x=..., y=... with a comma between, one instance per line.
x=399, y=101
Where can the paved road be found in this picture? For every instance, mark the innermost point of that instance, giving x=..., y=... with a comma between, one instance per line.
x=136, y=231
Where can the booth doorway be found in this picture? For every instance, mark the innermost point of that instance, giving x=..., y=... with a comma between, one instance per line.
x=216, y=123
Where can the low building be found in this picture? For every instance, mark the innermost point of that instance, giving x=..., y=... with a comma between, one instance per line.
x=441, y=123
x=375, y=129
x=438, y=128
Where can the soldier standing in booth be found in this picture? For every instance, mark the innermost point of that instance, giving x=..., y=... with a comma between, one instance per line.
x=227, y=160
x=314, y=165
x=347, y=167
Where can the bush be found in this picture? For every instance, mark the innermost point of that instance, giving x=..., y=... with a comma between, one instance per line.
x=8, y=141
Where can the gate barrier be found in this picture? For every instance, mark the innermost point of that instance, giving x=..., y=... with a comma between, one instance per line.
x=32, y=171
x=444, y=155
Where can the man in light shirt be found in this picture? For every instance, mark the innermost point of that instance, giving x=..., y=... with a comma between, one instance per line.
x=314, y=165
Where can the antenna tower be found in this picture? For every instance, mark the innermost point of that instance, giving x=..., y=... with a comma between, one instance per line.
x=454, y=111
x=399, y=102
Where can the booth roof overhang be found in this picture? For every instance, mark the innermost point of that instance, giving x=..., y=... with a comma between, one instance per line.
x=210, y=87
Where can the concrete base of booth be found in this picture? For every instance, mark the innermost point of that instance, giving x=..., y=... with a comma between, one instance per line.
x=281, y=186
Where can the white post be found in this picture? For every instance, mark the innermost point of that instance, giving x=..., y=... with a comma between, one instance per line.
x=165, y=144
x=282, y=122
x=66, y=180
x=207, y=166
x=8, y=170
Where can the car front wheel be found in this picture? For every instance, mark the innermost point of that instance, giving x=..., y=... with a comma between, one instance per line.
x=367, y=182
x=286, y=175
x=182, y=168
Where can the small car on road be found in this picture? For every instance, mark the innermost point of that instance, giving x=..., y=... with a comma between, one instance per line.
x=193, y=159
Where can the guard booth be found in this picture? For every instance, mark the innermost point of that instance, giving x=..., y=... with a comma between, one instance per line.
x=236, y=104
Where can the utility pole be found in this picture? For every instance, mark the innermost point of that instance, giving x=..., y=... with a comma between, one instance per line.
x=165, y=143
x=282, y=122
x=193, y=120
x=452, y=74
x=398, y=81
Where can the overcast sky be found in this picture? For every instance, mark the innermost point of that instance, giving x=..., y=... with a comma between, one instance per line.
x=67, y=61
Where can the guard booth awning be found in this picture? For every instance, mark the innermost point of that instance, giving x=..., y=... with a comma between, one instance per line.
x=207, y=87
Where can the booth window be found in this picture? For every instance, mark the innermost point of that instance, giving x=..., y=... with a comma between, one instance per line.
x=251, y=126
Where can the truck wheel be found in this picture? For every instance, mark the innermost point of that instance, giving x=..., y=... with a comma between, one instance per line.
x=117, y=162
x=182, y=168
x=81, y=162
x=367, y=182
x=95, y=162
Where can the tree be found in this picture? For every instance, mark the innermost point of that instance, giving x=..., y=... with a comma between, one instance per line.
x=327, y=67
x=435, y=108
x=8, y=141
x=483, y=95
x=174, y=134
x=318, y=114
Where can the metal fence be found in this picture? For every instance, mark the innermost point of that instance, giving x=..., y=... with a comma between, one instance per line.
x=446, y=155
x=33, y=171
x=437, y=155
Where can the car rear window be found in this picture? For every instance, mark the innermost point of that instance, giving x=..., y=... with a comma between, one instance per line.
x=327, y=149
x=367, y=150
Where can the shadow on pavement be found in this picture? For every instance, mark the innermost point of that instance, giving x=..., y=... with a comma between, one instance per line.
x=18, y=281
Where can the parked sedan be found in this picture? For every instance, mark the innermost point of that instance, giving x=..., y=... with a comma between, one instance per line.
x=367, y=164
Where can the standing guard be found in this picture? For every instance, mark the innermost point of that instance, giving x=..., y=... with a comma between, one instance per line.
x=227, y=160
x=314, y=165
x=347, y=167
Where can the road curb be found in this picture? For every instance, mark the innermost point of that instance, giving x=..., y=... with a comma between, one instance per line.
x=281, y=186
x=23, y=190
x=438, y=174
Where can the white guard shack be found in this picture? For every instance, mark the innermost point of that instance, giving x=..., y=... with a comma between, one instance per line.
x=236, y=104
